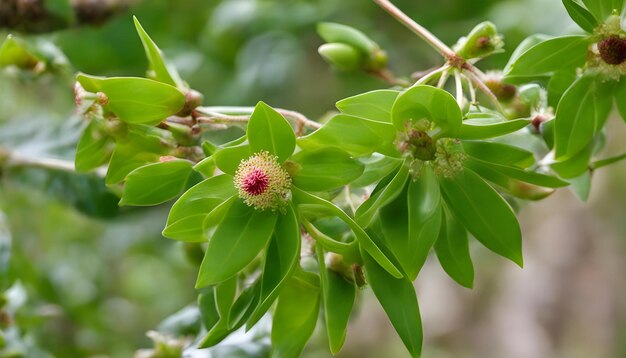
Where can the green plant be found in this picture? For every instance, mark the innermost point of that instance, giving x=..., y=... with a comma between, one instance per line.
x=272, y=206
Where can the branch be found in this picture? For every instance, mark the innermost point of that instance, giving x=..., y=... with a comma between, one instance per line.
x=418, y=29
x=10, y=158
x=228, y=115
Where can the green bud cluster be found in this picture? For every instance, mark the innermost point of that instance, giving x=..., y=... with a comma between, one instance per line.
x=449, y=157
x=349, y=49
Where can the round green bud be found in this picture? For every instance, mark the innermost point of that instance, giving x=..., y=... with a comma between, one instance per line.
x=342, y=56
x=482, y=41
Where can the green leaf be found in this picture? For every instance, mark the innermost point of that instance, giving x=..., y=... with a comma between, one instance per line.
x=484, y=128
x=524, y=46
x=398, y=299
x=238, y=239
x=228, y=159
x=581, y=114
x=283, y=255
x=576, y=165
x=431, y=103
x=225, y=294
x=376, y=167
x=141, y=145
x=374, y=105
x=15, y=52
x=549, y=56
x=526, y=176
x=94, y=147
x=244, y=305
x=603, y=8
x=208, y=308
x=559, y=82
x=269, y=131
x=295, y=317
x=324, y=169
x=620, y=99
x=581, y=186
x=368, y=210
x=424, y=205
x=452, y=250
x=158, y=69
x=484, y=213
x=355, y=135
x=499, y=153
x=580, y=15
x=338, y=296
x=307, y=202
x=136, y=100
x=186, y=218
x=156, y=183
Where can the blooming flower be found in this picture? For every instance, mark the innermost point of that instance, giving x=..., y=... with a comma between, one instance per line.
x=262, y=182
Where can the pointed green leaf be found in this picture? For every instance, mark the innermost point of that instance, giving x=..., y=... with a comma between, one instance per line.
x=576, y=165
x=604, y=8
x=424, y=204
x=156, y=183
x=136, y=100
x=324, y=169
x=374, y=105
x=368, y=210
x=338, y=296
x=550, y=56
x=295, y=317
x=186, y=218
x=484, y=213
x=158, y=68
x=377, y=166
x=283, y=254
x=452, y=250
x=238, y=239
x=141, y=145
x=484, y=128
x=499, y=153
x=94, y=148
x=398, y=299
x=307, y=201
x=620, y=99
x=581, y=114
x=228, y=159
x=580, y=15
x=430, y=103
x=357, y=136
x=526, y=176
x=269, y=131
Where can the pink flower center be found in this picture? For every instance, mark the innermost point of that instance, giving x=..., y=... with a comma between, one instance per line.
x=256, y=182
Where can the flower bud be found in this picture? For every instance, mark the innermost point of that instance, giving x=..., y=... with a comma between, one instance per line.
x=612, y=50
x=482, y=41
x=342, y=56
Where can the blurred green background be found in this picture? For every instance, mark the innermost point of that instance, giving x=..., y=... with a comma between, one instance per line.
x=92, y=279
